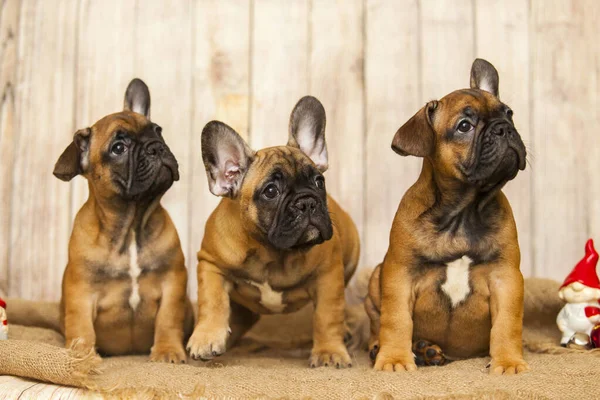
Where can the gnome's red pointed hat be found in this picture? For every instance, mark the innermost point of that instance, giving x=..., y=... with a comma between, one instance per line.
x=585, y=270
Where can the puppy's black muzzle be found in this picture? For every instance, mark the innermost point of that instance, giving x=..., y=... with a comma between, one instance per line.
x=157, y=151
x=498, y=155
x=304, y=221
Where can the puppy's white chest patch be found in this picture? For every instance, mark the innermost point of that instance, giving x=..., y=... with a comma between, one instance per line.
x=457, y=286
x=134, y=273
x=269, y=298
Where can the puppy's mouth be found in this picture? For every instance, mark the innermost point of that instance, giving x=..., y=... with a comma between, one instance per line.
x=497, y=156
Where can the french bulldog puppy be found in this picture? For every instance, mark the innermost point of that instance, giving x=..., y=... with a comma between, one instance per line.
x=451, y=274
x=276, y=241
x=124, y=288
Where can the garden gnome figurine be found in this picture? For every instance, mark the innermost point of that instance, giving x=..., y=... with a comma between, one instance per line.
x=581, y=291
x=3, y=321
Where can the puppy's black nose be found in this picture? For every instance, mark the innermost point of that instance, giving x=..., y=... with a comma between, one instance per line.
x=155, y=148
x=501, y=130
x=306, y=204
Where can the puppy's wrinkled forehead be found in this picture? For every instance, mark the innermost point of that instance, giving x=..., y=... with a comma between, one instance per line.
x=286, y=160
x=126, y=121
x=467, y=103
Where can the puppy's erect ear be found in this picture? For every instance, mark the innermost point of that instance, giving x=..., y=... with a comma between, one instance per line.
x=417, y=137
x=137, y=98
x=484, y=76
x=307, y=130
x=226, y=158
x=74, y=160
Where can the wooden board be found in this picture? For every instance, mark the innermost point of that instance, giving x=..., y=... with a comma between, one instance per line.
x=502, y=38
x=23, y=389
x=9, y=29
x=447, y=46
x=563, y=94
x=221, y=91
x=392, y=97
x=279, y=68
x=336, y=78
x=45, y=91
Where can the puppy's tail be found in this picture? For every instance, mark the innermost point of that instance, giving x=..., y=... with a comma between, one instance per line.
x=357, y=320
x=41, y=314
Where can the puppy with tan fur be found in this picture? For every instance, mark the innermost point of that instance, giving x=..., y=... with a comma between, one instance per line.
x=124, y=288
x=451, y=274
x=276, y=241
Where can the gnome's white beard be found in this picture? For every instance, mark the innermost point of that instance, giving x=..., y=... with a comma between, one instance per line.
x=579, y=293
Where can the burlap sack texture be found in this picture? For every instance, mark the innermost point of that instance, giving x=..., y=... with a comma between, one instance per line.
x=271, y=362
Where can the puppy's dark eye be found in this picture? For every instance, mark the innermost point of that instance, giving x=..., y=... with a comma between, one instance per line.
x=271, y=191
x=464, y=126
x=118, y=148
x=320, y=182
x=509, y=113
x=158, y=130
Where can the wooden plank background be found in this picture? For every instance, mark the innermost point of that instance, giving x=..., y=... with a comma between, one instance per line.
x=65, y=63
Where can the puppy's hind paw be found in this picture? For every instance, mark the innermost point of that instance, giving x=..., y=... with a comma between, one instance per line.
x=427, y=353
x=373, y=351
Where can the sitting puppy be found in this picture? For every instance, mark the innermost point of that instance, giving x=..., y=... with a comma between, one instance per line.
x=451, y=274
x=124, y=288
x=276, y=241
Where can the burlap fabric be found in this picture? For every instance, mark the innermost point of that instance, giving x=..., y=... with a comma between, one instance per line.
x=271, y=362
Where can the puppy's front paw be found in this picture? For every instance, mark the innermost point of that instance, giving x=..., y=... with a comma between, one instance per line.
x=169, y=353
x=395, y=362
x=338, y=358
x=205, y=344
x=508, y=366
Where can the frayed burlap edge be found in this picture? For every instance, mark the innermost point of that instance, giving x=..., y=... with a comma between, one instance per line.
x=74, y=366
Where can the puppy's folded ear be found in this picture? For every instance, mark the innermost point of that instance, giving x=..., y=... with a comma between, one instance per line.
x=226, y=158
x=73, y=161
x=307, y=130
x=137, y=98
x=484, y=76
x=417, y=137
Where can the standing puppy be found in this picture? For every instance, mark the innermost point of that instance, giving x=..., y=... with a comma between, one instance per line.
x=276, y=241
x=124, y=288
x=451, y=274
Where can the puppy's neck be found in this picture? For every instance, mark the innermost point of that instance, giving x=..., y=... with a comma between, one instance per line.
x=118, y=218
x=452, y=203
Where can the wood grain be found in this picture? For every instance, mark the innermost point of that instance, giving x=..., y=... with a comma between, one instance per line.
x=18, y=388
x=9, y=30
x=447, y=46
x=221, y=91
x=392, y=97
x=279, y=68
x=502, y=38
x=591, y=137
x=45, y=97
x=562, y=98
x=337, y=80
